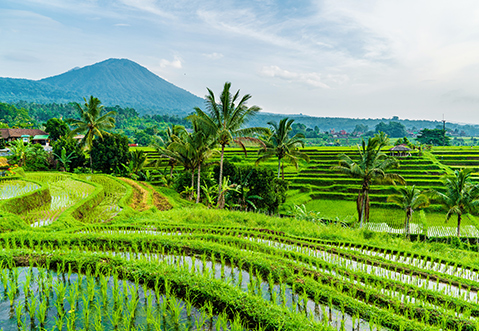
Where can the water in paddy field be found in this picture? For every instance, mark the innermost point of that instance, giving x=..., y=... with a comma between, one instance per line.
x=40, y=299
x=278, y=294
x=14, y=188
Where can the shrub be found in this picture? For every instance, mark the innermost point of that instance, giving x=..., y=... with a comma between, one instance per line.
x=110, y=152
x=71, y=146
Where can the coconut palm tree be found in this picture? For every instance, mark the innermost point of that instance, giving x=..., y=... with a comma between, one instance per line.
x=172, y=133
x=138, y=160
x=282, y=146
x=179, y=151
x=202, y=147
x=409, y=198
x=191, y=150
x=91, y=123
x=224, y=120
x=370, y=167
x=461, y=196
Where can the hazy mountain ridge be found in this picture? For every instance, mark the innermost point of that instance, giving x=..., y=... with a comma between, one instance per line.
x=113, y=81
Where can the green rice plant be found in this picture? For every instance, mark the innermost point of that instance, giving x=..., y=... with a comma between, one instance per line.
x=201, y=320
x=12, y=292
x=59, y=319
x=175, y=308
x=32, y=306
x=42, y=311
x=86, y=310
x=71, y=321
x=18, y=313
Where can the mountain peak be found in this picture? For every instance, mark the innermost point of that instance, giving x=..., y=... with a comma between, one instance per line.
x=114, y=81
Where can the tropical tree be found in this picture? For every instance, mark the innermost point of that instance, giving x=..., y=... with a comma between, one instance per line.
x=108, y=154
x=64, y=158
x=91, y=123
x=178, y=150
x=172, y=134
x=224, y=120
x=194, y=150
x=19, y=152
x=56, y=128
x=138, y=160
x=409, y=198
x=202, y=145
x=461, y=196
x=370, y=167
x=282, y=146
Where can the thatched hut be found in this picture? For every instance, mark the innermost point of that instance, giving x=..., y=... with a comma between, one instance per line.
x=400, y=151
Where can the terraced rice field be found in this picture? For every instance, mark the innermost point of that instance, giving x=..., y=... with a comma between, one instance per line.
x=13, y=188
x=160, y=276
x=71, y=198
x=114, y=261
x=333, y=194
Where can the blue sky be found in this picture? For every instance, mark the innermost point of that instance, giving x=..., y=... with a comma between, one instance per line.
x=362, y=59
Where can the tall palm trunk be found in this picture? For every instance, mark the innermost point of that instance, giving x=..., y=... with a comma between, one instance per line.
x=407, y=222
x=220, y=180
x=458, y=225
x=172, y=165
x=198, y=185
x=192, y=183
x=279, y=166
x=282, y=171
x=363, y=208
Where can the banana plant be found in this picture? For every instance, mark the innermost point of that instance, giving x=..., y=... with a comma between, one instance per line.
x=65, y=159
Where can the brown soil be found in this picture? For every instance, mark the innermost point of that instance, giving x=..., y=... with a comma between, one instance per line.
x=139, y=199
x=159, y=201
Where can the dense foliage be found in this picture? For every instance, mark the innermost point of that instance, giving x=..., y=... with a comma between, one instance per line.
x=436, y=137
x=392, y=129
x=110, y=152
x=72, y=148
x=56, y=128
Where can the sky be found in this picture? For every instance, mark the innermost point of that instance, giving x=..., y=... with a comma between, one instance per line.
x=342, y=58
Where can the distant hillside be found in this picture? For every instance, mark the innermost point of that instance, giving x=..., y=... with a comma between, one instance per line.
x=349, y=124
x=14, y=90
x=114, y=82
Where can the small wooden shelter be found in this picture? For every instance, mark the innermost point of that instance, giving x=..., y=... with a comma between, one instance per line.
x=400, y=151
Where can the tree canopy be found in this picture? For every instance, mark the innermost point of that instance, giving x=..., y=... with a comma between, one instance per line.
x=436, y=137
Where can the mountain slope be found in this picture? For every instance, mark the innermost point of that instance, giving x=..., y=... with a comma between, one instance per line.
x=14, y=90
x=114, y=81
x=126, y=83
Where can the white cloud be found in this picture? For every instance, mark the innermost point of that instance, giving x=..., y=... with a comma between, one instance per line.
x=147, y=6
x=122, y=24
x=311, y=78
x=175, y=63
x=214, y=56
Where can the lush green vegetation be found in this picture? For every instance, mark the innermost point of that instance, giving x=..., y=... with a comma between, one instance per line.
x=165, y=238
x=192, y=268
x=93, y=251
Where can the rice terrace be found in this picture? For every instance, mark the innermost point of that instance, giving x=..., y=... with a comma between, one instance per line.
x=96, y=251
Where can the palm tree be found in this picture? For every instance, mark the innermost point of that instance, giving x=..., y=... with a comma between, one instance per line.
x=409, y=198
x=138, y=160
x=279, y=144
x=371, y=167
x=172, y=133
x=202, y=148
x=224, y=121
x=461, y=196
x=92, y=123
x=180, y=151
